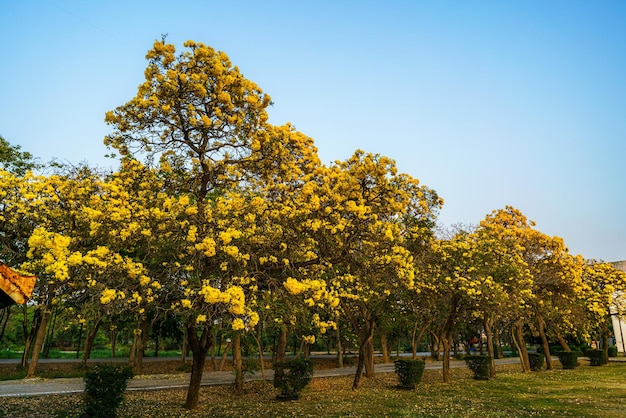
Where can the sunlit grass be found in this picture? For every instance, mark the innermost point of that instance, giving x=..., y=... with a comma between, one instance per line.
x=583, y=392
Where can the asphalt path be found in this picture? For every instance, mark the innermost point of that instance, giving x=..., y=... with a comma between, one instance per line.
x=43, y=387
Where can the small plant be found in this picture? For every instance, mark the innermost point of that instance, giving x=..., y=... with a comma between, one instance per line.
x=536, y=361
x=292, y=376
x=596, y=357
x=409, y=372
x=612, y=351
x=480, y=366
x=104, y=387
x=568, y=359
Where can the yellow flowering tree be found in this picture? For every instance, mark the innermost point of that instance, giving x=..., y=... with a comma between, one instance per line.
x=557, y=284
x=73, y=265
x=357, y=242
x=204, y=121
x=52, y=205
x=605, y=297
x=504, y=286
x=134, y=217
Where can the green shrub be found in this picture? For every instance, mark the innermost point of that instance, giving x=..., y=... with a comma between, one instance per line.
x=568, y=359
x=409, y=372
x=104, y=387
x=553, y=349
x=480, y=366
x=292, y=376
x=612, y=351
x=596, y=357
x=536, y=361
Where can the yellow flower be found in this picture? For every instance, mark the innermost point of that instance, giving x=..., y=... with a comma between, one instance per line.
x=238, y=324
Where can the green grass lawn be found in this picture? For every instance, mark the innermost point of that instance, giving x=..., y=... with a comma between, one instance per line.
x=96, y=353
x=583, y=392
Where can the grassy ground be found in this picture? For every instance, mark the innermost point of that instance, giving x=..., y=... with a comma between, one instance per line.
x=96, y=353
x=582, y=392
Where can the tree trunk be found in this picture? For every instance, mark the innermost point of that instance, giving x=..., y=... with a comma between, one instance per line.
x=369, y=357
x=199, y=349
x=385, y=347
x=238, y=363
x=133, y=349
x=497, y=342
x=28, y=336
x=259, y=344
x=113, y=335
x=562, y=342
x=446, y=339
x=141, y=346
x=50, y=333
x=605, y=340
x=415, y=339
x=339, y=347
x=518, y=335
x=184, y=348
x=225, y=355
x=541, y=323
x=91, y=336
x=413, y=342
x=41, y=334
x=281, y=347
x=366, y=353
x=79, y=340
x=212, y=351
x=435, y=346
x=5, y=314
x=488, y=324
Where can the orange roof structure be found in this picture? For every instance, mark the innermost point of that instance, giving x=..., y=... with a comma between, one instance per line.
x=14, y=287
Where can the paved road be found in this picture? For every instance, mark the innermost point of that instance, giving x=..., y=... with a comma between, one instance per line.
x=42, y=387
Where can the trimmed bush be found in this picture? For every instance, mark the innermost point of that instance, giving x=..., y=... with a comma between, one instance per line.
x=596, y=357
x=480, y=366
x=568, y=359
x=292, y=376
x=104, y=387
x=409, y=372
x=612, y=351
x=536, y=361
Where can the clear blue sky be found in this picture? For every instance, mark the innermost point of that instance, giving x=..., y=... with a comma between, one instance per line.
x=490, y=103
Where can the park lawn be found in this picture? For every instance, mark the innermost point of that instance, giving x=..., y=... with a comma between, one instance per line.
x=583, y=392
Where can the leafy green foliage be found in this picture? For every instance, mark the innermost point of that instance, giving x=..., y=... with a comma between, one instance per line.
x=14, y=160
x=568, y=359
x=596, y=357
x=292, y=376
x=105, y=385
x=409, y=372
x=480, y=366
x=536, y=361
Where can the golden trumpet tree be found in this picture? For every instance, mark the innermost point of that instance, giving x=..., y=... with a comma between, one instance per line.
x=71, y=265
x=206, y=124
x=557, y=284
x=450, y=279
x=606, y=290
x=356, y=238
x=505, y=282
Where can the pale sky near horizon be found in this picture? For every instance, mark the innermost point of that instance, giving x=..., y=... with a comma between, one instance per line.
x=519, y=103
